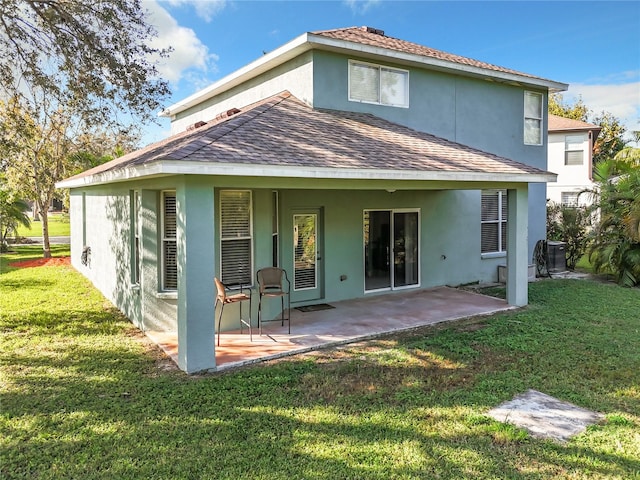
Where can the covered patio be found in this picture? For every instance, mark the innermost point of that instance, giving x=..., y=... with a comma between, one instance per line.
x=348, y=321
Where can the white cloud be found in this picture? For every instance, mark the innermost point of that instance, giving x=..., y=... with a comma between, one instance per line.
x=188, y=54
x=205, y=9
x=360, y=7
x=620, y=99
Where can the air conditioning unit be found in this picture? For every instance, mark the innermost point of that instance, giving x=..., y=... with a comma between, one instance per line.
x=557, y=252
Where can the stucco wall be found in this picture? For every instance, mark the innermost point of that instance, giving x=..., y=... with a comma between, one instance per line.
x=481, y=114
x=295, y=76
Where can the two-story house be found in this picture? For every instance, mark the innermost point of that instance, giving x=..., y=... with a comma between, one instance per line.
x=360, y=163
x=571, y=158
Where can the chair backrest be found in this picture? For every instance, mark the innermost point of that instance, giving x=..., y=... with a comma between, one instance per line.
x=222, y=291
x=270, y=279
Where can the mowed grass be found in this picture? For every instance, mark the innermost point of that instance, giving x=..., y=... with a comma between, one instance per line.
x=59, y=226
x=83, y=395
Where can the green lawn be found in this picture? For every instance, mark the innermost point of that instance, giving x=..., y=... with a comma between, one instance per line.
x=83, y=395
x=58, y=227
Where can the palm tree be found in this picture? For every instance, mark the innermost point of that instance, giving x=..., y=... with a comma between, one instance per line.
x=13, y=213
x=616, y=245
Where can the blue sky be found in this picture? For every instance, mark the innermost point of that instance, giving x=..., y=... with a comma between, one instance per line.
x=592, y=45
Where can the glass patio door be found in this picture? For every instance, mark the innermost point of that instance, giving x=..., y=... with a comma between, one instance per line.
x=391, y=249
x=307, y=256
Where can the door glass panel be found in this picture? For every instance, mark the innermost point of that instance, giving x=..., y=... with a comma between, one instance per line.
x=377, y=236
x=304, y=252
x=405, y=249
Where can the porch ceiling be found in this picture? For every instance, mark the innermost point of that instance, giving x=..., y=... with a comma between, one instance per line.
x=349, y=321
x=283, y=137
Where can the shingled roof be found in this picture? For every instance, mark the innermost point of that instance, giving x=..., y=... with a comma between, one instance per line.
x=284, y=132
x=376, y=38
x=562, y=124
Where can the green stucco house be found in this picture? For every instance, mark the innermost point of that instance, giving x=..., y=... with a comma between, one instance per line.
x=360, y=163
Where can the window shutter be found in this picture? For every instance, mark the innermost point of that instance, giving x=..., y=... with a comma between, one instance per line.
x=489, y=237
x=493, y=217
x=235, y=216
x=364, y=83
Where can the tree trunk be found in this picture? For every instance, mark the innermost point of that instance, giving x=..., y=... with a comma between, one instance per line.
x=46, y=246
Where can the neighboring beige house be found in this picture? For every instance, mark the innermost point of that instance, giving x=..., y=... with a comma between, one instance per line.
x=570, y=151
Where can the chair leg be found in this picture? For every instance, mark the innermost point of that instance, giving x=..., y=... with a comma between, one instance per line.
x=282, y=314
x=260, y=314
x=289, y=311
x=219, y=320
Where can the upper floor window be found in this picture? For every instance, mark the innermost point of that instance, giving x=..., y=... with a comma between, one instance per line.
x=371, y=83
x=532, y=118
x=573, y=150
x=494, y=221
x=236, y=237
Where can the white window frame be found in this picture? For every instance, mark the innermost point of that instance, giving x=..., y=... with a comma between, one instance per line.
x=392, y=212
x=540, y=97
x=249, y=237
x=134, y=199
x=568, y=150
x=501, y=221
x=572, y=201
x=380, y=69
x=166, y=240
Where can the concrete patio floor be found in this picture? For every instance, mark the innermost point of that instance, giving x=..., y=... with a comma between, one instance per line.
x=350, y=321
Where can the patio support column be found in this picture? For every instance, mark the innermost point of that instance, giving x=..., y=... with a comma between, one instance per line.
x=517, y=246
x=196, y=269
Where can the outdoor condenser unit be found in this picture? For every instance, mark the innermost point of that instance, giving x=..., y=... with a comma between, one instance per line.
x=557, y=252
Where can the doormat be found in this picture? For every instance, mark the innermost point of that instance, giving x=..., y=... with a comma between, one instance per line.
x=315, y=308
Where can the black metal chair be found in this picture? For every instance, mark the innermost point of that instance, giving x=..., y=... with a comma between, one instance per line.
x=224, y=298
x=273, y=282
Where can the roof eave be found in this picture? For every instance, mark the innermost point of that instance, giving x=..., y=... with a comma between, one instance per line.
x=309, y=41
x=174, y=167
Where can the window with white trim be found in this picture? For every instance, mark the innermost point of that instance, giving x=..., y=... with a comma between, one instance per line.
x=236, y=237
x=573, y=150
x=371, y=83
x=532, y=118
x=169, y=242
x=569, y=199
x=494, y=221
x=134, y=201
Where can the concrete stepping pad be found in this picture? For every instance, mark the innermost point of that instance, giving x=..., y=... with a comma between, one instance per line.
x=544, y=416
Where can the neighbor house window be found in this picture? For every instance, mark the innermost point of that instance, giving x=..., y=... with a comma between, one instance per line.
x=494, y=221
x=377, y=84
x=236, y=242
x=169, y=244
x=532, y=118
x=573, y=150
x=569, y=199
x=134, y=201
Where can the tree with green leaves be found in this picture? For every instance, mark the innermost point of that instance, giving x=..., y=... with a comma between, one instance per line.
x=42, y=147
x=616, y=244
x=93, y=56
x=13, y=213
x=72, y=69
x=575, y=111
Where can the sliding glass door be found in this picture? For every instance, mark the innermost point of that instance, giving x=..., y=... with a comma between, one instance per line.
x=391, y=249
